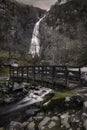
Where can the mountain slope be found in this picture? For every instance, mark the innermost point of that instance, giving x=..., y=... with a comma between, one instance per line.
x=64, y=33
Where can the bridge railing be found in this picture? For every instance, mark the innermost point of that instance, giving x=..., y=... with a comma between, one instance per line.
x=44, y=73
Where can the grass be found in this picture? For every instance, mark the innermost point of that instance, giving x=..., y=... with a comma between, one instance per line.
x=4, y=71
x=60, y=95
x=4, y=55
x=16, y=57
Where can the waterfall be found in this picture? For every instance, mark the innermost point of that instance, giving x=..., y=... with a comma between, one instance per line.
x=35, y=41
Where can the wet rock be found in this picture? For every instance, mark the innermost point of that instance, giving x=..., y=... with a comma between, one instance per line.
x=74, y=101
x=15, y=126
x=16, y=86
x=25, y=124
x=85, y=124
x=44, y=122
x=34, y=101
x=55, y=118
x=52, y=124
x=74, y=121
x=31, y=126
x=84, y=116
x=8, y=100
x=30, y=119
x=85, y=107
x=65, y=119
x=38, y=118
x=32, y=111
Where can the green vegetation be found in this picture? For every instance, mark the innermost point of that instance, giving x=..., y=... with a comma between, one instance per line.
x=4, y=54
x=63, y=94
x=4, y=71
x=15, y=57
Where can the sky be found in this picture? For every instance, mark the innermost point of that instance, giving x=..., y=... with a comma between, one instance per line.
x=44, y=4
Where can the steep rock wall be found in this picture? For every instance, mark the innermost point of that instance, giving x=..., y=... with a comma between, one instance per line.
x=64, y=33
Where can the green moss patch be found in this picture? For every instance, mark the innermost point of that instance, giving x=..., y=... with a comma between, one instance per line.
x=60, y=95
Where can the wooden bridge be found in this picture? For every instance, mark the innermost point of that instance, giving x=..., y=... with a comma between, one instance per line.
x=54, y=75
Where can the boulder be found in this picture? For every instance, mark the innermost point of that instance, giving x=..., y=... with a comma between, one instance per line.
x=65, y=122
x=38, y=118
x=85, y=107
x=50, y=123
x=84, y=116
x=74, y=101
x=55, y=118
x=8, y=100
x=25, y=124
x=44, y=122
x=85, y=125
x=31, y=126
x=15, y=126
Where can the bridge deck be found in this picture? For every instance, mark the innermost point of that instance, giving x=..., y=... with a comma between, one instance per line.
x=51, y=74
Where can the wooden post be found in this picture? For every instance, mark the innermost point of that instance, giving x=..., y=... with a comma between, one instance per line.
x=17, y=72
x=66, y=76
x=80, y=75
x=13, y=72
x=22, y=73
x=27, y=73
x=42, y=73
x=53, y=75
x=10, y=71
x=33, y=73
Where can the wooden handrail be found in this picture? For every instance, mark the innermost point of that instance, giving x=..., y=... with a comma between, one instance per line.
x=53, y=72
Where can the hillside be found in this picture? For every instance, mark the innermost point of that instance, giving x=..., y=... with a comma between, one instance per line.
x=64, y=33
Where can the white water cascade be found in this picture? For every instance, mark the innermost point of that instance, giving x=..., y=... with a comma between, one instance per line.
x=35, y=41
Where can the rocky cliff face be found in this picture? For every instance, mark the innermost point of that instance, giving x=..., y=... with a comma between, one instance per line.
x=16, y=25
x=64, y=33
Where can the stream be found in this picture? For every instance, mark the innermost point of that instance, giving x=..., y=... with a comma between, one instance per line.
x=28, y=106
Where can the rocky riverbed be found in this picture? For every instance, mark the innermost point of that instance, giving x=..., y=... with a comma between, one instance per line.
x=38, y=110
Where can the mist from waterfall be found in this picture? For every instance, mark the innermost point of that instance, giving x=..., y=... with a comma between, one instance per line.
x=35, y=41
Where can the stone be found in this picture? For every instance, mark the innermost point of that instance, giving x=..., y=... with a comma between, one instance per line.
x=30, y=119
x=24, y=124
x=84, y=116
x=85, y=125
x=16, y=86
x=65, y=122
x=74, y=121
x=85, y=107
x=67, y=99
x=49, y=113
x=38, y=118
x=32, y=111
x=55, y=118
x=40, y=114
x=31, y=126
x=44, y=122
x=52, y=124
x=15, y=126
x=74, y=101
x=8, y=100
